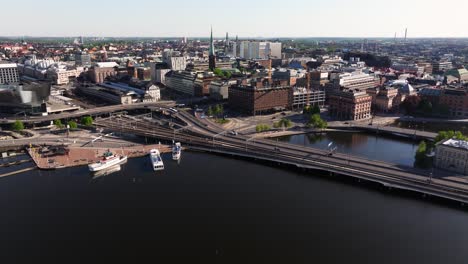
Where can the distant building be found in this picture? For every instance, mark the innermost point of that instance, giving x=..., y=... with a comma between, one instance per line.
x=456, y=100
x=383, y=98
x=83, y=59
x=355, y=80
x=219, y=90
x=441, y=66
x=350, y=104
x=9, y=73
x=102, y=70
x=452, y=155
x=260, y=50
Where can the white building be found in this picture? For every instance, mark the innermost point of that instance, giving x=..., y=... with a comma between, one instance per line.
x=9, y=73
x=260, y=50
x=452, y=155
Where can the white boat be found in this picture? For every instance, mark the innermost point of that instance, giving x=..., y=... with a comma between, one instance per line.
x=176, y=151
x=156, y=160
x=107, y=171
x=108, y=160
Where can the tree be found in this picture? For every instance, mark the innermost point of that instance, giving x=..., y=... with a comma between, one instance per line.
x=87, y=121
x=421, y=158
x=444, y=135
x=72, y=125
x=317, y=122
x=17, y=126
x=315, y=110
x=58, y=123
x=209, y=112
x=284, y=122
x=218, y=72
x=262, y=127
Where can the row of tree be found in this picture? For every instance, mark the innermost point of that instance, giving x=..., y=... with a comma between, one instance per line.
x=85, y=121
x=217, y=110
x=284, y=122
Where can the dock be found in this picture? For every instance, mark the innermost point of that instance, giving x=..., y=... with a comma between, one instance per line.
x=80, y=156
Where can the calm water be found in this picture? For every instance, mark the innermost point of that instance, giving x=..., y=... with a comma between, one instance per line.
x=214, y=209
x=369, y=146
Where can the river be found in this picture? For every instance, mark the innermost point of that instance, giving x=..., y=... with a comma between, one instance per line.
x=218, y=209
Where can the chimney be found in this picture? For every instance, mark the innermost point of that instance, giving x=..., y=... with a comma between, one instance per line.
x=308, y=80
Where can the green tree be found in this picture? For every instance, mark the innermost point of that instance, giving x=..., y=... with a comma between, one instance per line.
x=262, y=127
x=444, y=135
x=421, y=158
x=17, y=126
x=87, y=121
x=72, y=124
x=317, y=122
x=58, y=123
x=218, y=72
x=284, y=122
x=209, y=112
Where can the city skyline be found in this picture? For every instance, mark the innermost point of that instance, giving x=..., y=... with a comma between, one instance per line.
x=268, y=19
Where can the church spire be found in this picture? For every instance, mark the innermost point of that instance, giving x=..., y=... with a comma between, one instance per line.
x=212, y=49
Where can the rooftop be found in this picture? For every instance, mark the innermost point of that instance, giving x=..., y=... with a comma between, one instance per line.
x=456, y=143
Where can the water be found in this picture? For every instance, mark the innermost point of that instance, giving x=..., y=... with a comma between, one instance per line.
x=216, y=209
x=370, y=146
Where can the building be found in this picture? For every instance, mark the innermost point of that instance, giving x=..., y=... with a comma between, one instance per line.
x=27, y=96
x=301, y=97
x=61, y=74
x=441, y=66
x=452, y=155
x=9, y=73
x=143, y=73
x=202, y=83
x=83, y=59
x=383, y=98
x=181, y=82
x=259, y=96
x=102, y=70
x=260, y=50
x=355, y=80
x=219, y=90
x=456, y=100
x=350, y=104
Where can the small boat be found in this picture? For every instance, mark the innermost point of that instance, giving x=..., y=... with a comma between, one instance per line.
x=108, y=160
x=156, y=160
x=176, y=151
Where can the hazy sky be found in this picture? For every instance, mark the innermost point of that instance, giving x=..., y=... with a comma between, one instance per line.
x=247, y=18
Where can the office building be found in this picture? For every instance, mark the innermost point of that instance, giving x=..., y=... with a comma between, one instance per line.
x=301, y=97
x=27, y=96
x=9, y=73
x=181, y=82
x=259, y=96
x=260, y=50
x=83, y=59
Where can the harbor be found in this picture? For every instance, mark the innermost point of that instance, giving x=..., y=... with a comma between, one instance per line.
x=80, y=156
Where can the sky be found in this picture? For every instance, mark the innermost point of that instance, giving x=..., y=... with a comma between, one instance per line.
x=246, y=18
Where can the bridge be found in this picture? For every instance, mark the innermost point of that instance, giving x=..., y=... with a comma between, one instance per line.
x=389, y=130
x=201, y=136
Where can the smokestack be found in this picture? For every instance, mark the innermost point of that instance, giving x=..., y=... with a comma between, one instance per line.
x=406, y=33
x=269, y=71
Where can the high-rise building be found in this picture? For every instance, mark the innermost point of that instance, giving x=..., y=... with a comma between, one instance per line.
x=212, y=55
x=82, y=59
x=260, y=50
x=9, y=73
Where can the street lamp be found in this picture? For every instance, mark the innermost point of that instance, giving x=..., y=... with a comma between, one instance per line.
x=431, y=174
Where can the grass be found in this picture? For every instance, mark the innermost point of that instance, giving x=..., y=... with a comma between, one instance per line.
x=222, y=121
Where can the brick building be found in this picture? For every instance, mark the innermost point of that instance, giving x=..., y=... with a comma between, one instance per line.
x=456, y=100
x=259, y=96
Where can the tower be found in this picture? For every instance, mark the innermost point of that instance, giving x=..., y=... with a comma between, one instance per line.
x=212, y=56
x=406, y=33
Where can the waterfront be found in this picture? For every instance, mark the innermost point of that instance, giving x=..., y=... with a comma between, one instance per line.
x=366, y=145
x=204, y=208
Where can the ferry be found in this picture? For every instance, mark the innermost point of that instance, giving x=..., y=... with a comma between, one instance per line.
x=156, y=160
x=176, y=151
x=108, y=160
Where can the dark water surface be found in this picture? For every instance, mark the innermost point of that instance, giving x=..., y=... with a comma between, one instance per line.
x=370, y=146
x=211, y=209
